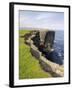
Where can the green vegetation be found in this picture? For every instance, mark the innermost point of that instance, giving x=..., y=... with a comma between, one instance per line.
x=29, y=66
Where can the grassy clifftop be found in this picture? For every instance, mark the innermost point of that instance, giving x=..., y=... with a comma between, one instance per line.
x=29, y=66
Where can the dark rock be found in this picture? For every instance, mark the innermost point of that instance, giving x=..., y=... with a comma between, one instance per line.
x=36, y=40
x=54, y=57
x=49, y=38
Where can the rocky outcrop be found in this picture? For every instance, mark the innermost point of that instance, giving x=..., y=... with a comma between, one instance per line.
x=35, y=52
x=47, y=38
x=49, y=66
x=46, y=64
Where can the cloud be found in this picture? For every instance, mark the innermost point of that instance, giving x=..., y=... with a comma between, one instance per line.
x=36, y=19
x=45, y=15
x=40, y=17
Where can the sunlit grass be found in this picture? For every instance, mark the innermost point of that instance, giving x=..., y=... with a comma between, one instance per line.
x=29, y=66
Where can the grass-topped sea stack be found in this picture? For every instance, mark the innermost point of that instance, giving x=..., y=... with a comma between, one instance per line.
x=44, y=40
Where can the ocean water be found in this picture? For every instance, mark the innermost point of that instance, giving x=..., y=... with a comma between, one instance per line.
x=59, y=43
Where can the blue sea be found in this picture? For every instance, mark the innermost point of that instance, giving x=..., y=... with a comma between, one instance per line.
x=59, y=43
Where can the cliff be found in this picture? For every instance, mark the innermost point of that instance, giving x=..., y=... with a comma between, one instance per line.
x=47, y=65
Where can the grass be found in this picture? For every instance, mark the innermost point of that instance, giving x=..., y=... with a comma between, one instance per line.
x=29, y=66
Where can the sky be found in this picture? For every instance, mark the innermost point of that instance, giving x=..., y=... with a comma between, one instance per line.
x=41, y=19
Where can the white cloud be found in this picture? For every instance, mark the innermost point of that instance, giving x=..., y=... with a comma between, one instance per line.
x=42, y=20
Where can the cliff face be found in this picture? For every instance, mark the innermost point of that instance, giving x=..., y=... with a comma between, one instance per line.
x=42, y=35
x=47, y=65
x=49, y=39
x=44, y=41
x=45, y=38
x=36, y=39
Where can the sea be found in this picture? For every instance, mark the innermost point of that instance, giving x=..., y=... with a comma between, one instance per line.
x=59, y=43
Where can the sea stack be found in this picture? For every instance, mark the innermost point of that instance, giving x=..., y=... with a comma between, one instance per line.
x=47, y=39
